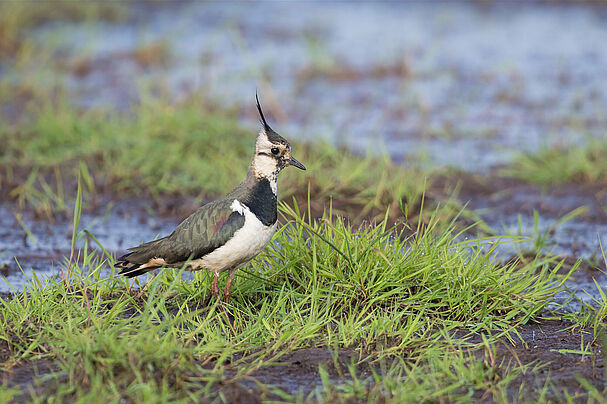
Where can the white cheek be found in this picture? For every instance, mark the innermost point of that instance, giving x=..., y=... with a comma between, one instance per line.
x=262, y=141
x=265, y=166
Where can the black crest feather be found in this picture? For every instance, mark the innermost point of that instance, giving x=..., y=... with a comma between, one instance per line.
x=263, y=119
x=272, y=136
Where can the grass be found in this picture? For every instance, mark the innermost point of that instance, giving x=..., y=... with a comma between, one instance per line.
x=188, y=150
x=397, y=301
x=537, y=241
x=575, y=164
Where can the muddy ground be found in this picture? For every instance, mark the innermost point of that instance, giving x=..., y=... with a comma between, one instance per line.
x=538, y=343
x=297, y=372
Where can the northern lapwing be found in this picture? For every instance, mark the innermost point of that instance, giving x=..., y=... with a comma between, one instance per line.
x=227, y=233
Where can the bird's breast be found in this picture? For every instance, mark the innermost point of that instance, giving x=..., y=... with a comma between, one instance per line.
x=245, y=244
x=261, y=201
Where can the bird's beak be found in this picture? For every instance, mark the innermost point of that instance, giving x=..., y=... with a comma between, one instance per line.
x=296, y=163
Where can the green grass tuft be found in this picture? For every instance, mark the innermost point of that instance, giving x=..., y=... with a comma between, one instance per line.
x=576, y=164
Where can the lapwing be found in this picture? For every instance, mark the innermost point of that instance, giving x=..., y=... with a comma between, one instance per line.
x=227, y=233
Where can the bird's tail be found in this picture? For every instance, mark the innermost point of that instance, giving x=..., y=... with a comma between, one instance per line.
x=140, y=260
x=132, y=270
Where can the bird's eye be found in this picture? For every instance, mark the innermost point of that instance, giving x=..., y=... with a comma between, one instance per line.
x=274, y=150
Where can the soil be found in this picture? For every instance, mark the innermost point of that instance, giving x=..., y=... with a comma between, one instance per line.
x=544, y=343
x=29, y=375
x=509, y=196
x=506, y=203
x=540, y=343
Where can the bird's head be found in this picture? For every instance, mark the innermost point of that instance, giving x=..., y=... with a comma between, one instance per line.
x=272, y=151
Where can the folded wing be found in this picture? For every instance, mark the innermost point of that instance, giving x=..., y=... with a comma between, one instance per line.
x=203, y=231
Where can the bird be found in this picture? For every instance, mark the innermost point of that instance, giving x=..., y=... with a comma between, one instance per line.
x=227, y=233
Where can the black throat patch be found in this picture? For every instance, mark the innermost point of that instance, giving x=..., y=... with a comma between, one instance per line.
x=262, y=202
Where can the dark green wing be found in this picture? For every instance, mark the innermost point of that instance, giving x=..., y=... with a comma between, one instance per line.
x=210, y=227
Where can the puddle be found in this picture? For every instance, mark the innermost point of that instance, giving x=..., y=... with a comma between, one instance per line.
x=49, y=245
x=509, y=206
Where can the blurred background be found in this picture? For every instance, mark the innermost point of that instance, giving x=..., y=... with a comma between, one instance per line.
x=459, y=84
x=501, y=105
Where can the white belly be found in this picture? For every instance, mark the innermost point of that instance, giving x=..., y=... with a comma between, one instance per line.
x=247, y=242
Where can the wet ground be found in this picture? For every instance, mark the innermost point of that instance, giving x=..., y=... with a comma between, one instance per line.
x=547, y=347
x=510, y=205
x=442, y=85
x=546, y=342
x=42, y=246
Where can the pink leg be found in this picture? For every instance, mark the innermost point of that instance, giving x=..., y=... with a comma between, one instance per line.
x=226, y=292
x=214, y=288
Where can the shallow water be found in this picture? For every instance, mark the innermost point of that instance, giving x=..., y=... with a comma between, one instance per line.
x=47, y=249
x=569, y=220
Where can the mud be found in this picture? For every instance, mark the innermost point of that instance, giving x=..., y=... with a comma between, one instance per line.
x=504, y=202
x=552, y=347
x=298, y=371
x=548, y=347
x=29, y=376
x=508, y=206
